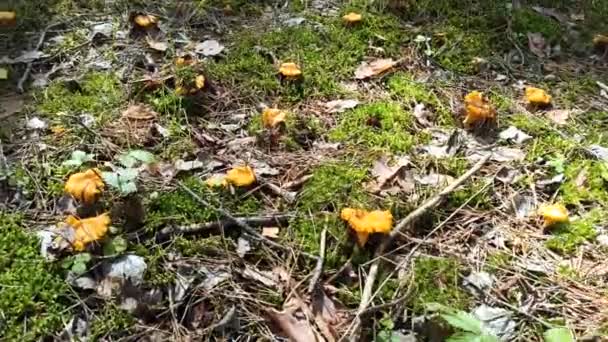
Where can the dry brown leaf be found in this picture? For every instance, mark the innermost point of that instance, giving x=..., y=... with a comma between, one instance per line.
x=364, y=222
x=135, y=126
x=374, y=68
x=88, y=230
x=85, y=186
x=559, y=116
x=537, y=44
x=156, y=45
x=294, y=323
x=383, y=172
x=271, y=232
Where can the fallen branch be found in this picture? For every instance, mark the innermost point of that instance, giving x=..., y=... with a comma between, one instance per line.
x=239, y=223
x=402, y=225
x=197, y=228
x=319, y=267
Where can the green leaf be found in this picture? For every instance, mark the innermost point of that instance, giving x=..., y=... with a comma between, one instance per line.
x=115, y=246
x=79, y=268
x=437, y=307
x=110, y=178
x=141, y=155
x=128, y=188
x=78, y=158
x=464, y=337
x=558, y=335
x=126, y=160
x=464, y=321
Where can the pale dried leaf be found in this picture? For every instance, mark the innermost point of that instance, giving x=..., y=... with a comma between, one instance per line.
x=559, y=116
x=209, y=48
x=537, y=44
x=374, y=68
x=156, y=45
x=339, y=106
x=514, y=134
x=271, y=232
x=434, y=179
x=423, y=116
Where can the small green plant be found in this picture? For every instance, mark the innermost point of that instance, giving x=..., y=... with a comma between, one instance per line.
x=123, y=178
x=558, y=335
x=471, y=328
x=78, y=158
x=77, y=263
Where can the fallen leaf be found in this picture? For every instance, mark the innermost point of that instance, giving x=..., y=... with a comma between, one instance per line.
x=243, y=246
x=339, y=106
x=383, y=172
x=478, y=110
x=599, y=152
x=352, y=18
x=85, y=186
x=551, y=12
x=87, y=230
x=499, y=154
x=134, y=127
x=209, y=48
x=129, y=267
x=537, y=44
x=290, y=70
x=514, y=134
x=8, y=18
x=523, y=206
x=241, y=176
x=271, y=117
x=559, y=116
x=3, y=74
x=36, y=123
x=434, y=179
x=478, y=282
x=271, y=232
x=496, y=321
x=553, y=214
x=145, y=21
x=374, y=68
x=156, y=45
x=182, y=165
x=294, y=323
x=291, y=22
x=364, y=222
x=423, y=116
x=537, y=97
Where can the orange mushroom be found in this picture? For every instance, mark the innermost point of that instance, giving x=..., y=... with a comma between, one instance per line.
x=537, y=97
x=271, y=117
x=88, y=230
x=478, y=110
x=364, y=222
x=352, y=18
x=145, y=21
x=85, y=186
x=553, y=214
x=240, y=176
x=290, y=70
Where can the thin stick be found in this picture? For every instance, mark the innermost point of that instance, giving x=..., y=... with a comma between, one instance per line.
x=241, y=224
x=319, y=267
x=402, y=225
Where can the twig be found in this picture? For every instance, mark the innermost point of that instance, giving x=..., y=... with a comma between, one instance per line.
x=241, y=224
x=319, y=267
x=405, y=223
x=297, y=182
x=288, y=196
x=28, y=68
x=193, y=229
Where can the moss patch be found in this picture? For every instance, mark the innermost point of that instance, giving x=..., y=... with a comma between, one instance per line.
x=34, y=294
x=334, y=186
x=98, y=95
x=380, y=126
x=593, y=190
x=437, y=280
x=111, y=321
x=566, y=238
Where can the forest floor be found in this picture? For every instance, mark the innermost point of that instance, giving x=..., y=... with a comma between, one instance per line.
x=171, y=237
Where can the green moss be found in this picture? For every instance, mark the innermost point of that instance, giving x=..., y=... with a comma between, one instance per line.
x=526, y=21
x=101, y=93
x=436, y=280
x=379, y=126
x=575, y=91
x=456, y=48
x=498, y=261
x=567, y=237
x=156, y=274
x=305, y=231
x=326, y=56
x=334, y=186
x=550, y=144
x=34, y=298
x=594, y=189
x=409, y=91
x=111, y=321
x=212, y=245
x=179, y=207
x=482, y=197
x=533, y=125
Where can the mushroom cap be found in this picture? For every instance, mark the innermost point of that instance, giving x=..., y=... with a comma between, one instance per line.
x=199, y=81
x=290, y=69
x=364, y=222
x=88, y=230
x=145, y=20
x=600, y=40
x=537, y=96
x=352, y=17
x=271, y=117
x=85, y=186
x=477, y=108
x=553, y=214
x=241, y=176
